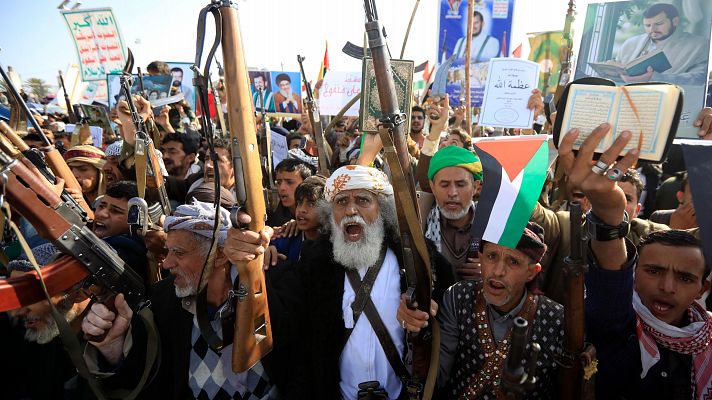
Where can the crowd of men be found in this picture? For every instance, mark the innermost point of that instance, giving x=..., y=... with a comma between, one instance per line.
x=332, y=255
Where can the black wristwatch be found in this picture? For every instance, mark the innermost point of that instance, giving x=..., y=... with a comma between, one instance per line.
x=602, y=232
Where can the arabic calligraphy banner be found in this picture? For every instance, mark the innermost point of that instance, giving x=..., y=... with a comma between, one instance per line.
x=96, y=36
x=337, y=89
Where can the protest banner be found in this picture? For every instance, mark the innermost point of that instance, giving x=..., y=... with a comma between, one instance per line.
x=99, y=46
x=336, y=90
x=182, y=82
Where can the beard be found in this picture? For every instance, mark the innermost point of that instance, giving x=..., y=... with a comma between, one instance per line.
x=456, y=215
x=286, y=93
x=51, y=330
x=661, y=38
x=190, y=288
x=362, y=254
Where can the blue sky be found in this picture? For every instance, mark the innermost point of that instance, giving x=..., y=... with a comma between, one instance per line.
x=36, y=42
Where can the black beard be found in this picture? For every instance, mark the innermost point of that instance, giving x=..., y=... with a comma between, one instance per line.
x=672, y=31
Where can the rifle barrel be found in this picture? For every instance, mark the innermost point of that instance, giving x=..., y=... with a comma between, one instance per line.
x=25, y=108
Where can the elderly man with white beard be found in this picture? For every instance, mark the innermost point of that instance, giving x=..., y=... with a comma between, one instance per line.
x=32, y=342
x=188, y=367
x=341, y=346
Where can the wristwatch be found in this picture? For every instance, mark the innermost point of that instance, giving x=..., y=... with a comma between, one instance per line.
x=602, y=232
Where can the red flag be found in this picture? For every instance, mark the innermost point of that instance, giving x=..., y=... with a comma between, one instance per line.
x=324, y=63
x=518, y=51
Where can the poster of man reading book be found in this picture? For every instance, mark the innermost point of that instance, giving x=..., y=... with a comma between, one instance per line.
x=642, y=41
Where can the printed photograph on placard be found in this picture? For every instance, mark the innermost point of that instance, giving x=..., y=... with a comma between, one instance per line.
x=98, y=116
x=261, y=89
x=491, y=36
x=287, y=93
x=650, y=41
x=370, y=103
x=156, y=87
x=182, y=81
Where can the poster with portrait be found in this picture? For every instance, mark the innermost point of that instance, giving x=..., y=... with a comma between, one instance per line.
x=491, y=35
x=650, y=41
x=156, y=87
x=262, y=90
x=98, y=116
x=287, y=93
x=182, y=81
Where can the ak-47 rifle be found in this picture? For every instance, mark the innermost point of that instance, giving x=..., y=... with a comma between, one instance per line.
x=148, y=170
x=252, y=338
x=566, y=52
x=415, y=258
x=315, y=118
x=60, y=224
x=67, y=102
x=578, y=361
x=51, y=154
x=518, y=379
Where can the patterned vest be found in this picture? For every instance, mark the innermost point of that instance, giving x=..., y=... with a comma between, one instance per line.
x=548, y=331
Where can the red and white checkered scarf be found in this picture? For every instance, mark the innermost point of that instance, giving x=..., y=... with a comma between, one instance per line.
x=693, y=339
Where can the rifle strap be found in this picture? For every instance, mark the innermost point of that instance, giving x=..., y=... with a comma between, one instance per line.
x=75, y=349
x=408, y=204
x=364, y=303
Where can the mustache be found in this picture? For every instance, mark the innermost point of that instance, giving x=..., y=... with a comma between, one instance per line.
x=351, y=220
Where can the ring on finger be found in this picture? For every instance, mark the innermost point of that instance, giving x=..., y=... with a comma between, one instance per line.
x=403, y=324
x=600, y=167
x=614, y=174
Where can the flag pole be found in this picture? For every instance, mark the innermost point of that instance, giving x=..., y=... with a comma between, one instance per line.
x=468, y=52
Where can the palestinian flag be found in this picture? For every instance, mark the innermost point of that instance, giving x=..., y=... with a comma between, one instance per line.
x=514, y=170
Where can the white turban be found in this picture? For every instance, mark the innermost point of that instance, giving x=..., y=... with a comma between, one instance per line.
x=199, y=218
x=353, y=177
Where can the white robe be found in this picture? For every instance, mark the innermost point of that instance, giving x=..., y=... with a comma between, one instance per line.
x=366, y=360
x=483, y=48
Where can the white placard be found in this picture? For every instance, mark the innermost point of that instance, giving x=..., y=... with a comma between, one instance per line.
x=97, y=137
x=279, y=148
x=336, y=90
x=509, y=86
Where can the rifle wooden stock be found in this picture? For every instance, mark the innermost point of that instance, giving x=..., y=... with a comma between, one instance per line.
x=55, y=221
x=579, y=365
x=25, y=290
x=55, y=161
x=253, y=329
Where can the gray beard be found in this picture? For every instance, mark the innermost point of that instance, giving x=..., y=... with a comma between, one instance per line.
x=362, y=254
x=51, y=330
x=287, y=95
x=189, y=290
x=455, y=215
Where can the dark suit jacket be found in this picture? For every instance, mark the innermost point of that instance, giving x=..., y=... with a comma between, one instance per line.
x=174, y=326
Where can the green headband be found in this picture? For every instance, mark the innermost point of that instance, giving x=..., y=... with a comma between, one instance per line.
x=455, y=156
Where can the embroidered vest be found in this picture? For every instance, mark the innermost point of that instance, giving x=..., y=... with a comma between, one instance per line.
x=471, y=368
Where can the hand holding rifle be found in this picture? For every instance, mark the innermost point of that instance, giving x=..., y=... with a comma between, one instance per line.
x=102, y=321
